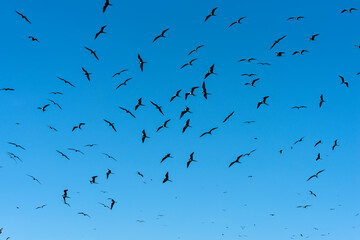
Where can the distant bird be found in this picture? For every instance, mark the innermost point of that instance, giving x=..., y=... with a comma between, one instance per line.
x=84, y=214
x=249, y=122
x=253, y=82
x=281, y=151
x=87, y=74
x=321, y=100
x=277, y=41
x=101, y=31
x=33, y=39
x=7, y=89
x=263, y=64
x=44, y=107
x=191, y=159
x=65, y=81
x=110, y=157
x=118, y=73
x=298, y=107
x=16, y=145
x=112, y=203
x=55, y=103
x=316, y=175
x=92, y=52
x=279, y=54
x=186, y=110
x=191, y=92
x=78, y=126
x=161, y=35
x=237, y=160
x=108, y=173
x=312, y=193
x=62, y=154
x=158, y=107
x=141, y=62
x=247, y=60
x=317, y=143
x=35, y=179
x=123, y=83
x=227, y=118
x=52, y=128
x=295, y=18
x=110, y=124
x=93, y=180
x=187, y=124
x=90, y=145
x=107, y=3
x=166, y=178
x=318, y=157
x=139, y=104
x=176, y=95
x=76, y=150
x=189, y=63
x=140, y=174
x=42, y=206
x=166, y=157
x=144, y=136
x=312, y=38
x=305, y=206
x=211, y=71
x=263, y=101
x=300, y=140
x=56, y=93
x=248, y=74
x=204, y=92
x=349, y=10
x=301, y=52
x=343, y=81
x=238, y=21
x=211, y=14
x=335, y=144
x=164, y=125
x=209, y=132
x=24, y=17
x=127, y=111
x=196, y=49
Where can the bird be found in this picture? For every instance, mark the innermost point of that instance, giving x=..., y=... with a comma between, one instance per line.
x=127, y=111
x=311, y=193
x=253, y=82
x=249, y=122
x=321, y=100
x=300, y=140
x=305, y=206
x=238, y=21
x=33, y=39
x=78, y=126
x=141, y=62
x=16, y=145
x=263, y=64
x=166, y=157
x=295, y=18
x=298, y=107
x=349, y=10
x=312, y=38
x=44, y=107
x=123, y=83
x=62, y=154
x=191, y=159
x=166, y=179
x=189, y=63
x=42, y=206
x=263, y=101
x=66, y=82
x=35, y=179
x=23, y=16
x=248, y=74
x=93, y=180
x=301, y=52
x=92, y=52
x=211, y=14
x=55, y=103
x=52, y=128
x=191, y=92
x=110, y=124
x=187, y=124
x=7, y=89
x=87, y=74
x=101, y=31
x=209, y=132
x=335, y=144
x=279, y=54
x=161, y=35
x=176, y=95
x=107, y=3
x=140, y=174
x=277, y=41
x=144, y=136
x=316, y=175
x=318, y=157
x=164, y=125
x=186, y=110
x=158, y=107
x=204, y=92
x=211, y=71
x=195, y=50
x=112, y=203
x=110, y=157
x=108, y=173
x=84, y=214
x=317, y=143
x=236, y=161
x=118, y=73
x=76, y=150
x=90, y=145
x=139, y=104
x=247, y=60
x=56, y=93
x=343, y=81
x=227, y=118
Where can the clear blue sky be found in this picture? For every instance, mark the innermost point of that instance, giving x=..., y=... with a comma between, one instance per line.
x=208, y=200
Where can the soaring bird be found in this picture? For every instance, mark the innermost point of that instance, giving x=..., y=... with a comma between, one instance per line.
x=248, y=74
x=33, y=39
x=112, y=203
x=44, y=107
x=191, y=92
x=166, y=157
x=107, y=3
x=176, y=95
x=118, y=73
x=263, y=101
x=247, y=60
x=316, y=175
x=166, y=179
x=280, y=54
x=191, y=159
x=66, y=82
x=55, y=93
x=110, y=157
x=317, y=143
x=196, y=49
x=298, y=107
x=93, y=180
x=211, y=14
x=76, y=150
x=161, y=35
x=16, y=145
x=87, y=74
x=23, y=16
x=101, y=31
x=204, y=92
x=139, y=104
x=312, y=38
x=300, y=52
x=321, y=100
x=295, y=18
x=318, y=157
x=123, y=83
x=62, y=154
x=92, y=52
x=189, y=63
x=335, y=144
x=84, y=214
x=78, y=126
x=55, y=103
x=140, y=174
x=349, y=10
x=144, y=136
x=263, y=64
x=90, y=145
x=158, y=107
x=35, y=179
x=227, y=118
x=211, y=71
x=141, y=62
x=343, y=81
x=277, y=41
x=186, y=110
x=311, y=192
x=305, y=206
x=52, y=128
x=300, y=140
x=236, y=161
x=209, y=132
x=7, y=89
x=42, y=206
x=164, y=125
x=187, y=124
x=110, y=124
x=253, y=82
x=127, y=111
x=238, y=21
x=108, y=173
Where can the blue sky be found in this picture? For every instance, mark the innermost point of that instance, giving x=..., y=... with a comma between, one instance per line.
x=208, y=200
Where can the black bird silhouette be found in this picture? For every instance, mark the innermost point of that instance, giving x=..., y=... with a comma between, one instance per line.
x=335, y=144
x=92, y=52
x=55, y=103
x=349, y=10
x=321, y=100
x=316, y=175
x=298, y=107
x=87, y=74
x=236, y=161
x=16, y=145
x=118, y=73
x=176, y=95
x=186, y=110
x=300, y=140
x=101, y=31
x=33, y=39
x=189, y=63
x=65, y=196
x=211, y=71
x=108, y=173
x=35, y=179
x=139, y=104
x=7, y=89
x=312, y=38
x=318, y=157
x=227, y=118
x=111, y=157
x=301, y=52
x=253, y=82
x=343, y=81
x=107, y=3
x=76, y=150
x=263, y=101
x=196, y=49
x=144, y=136
x=93, y=180
x=127, y=111
x=141, y=62
x=295, y=18
x=84, y=214
x=164, y=125
x=158, y=107
x=279, y=54
x=52, y=128
x=112, y=203
x=62, y=154
x=277, y=41
x=161, y=35
x=311, y=192
x=166, y=157
x=247, y=60
x=263, y=64
x=110, y=124
x=187, y=124
x=24, y=17
x=238, y=21
x=305, y=206
x=44, y=107
x=55, y=93
x=78, y=126
x=317, y=143
x=204, y=92
x=249, y=122
x=211, y=14
x=124, y=83
x=166, y=178
x=14, y=157
x=191, y=92
x=191, y=159
x=42, y=206
x=90, y=145
x=65, y=81
x=140, y=174
x=209, y=132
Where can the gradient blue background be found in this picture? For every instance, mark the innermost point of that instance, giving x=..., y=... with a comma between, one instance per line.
x=208, y=200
